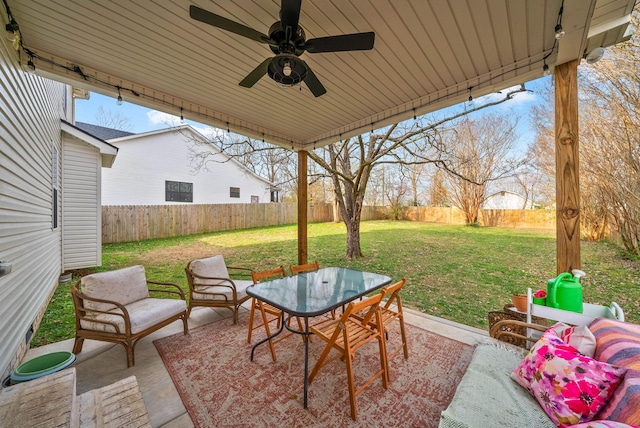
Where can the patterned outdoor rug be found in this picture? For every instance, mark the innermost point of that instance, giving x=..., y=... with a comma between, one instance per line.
x=220, y=386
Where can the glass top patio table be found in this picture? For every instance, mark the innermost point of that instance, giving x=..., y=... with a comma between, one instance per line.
x=314, y=293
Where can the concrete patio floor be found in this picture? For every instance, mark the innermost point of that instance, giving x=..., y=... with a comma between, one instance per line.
x=100, y=363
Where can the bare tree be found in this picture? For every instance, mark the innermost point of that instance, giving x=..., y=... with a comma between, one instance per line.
x=611, y=142
x=275, y=164
x=481, y=149
x=396, y=190
x=113, y=119
x=439, y=194
x=350, y=162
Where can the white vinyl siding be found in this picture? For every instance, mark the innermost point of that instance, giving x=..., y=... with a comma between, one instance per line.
x=30, y=113
x=145, y=162
x=81, y=213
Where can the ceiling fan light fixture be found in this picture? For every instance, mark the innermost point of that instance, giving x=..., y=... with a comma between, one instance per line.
x=595, y=55
x=287, y=70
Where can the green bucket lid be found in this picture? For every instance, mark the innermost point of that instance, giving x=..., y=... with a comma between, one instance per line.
x=42, y=366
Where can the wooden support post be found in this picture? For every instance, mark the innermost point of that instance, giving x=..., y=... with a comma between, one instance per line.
x=302, y=208
x=567, y=167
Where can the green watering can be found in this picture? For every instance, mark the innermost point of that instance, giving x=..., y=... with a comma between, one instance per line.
x=565, y=291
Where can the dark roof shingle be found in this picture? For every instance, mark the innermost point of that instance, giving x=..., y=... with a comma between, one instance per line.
x=102, y=132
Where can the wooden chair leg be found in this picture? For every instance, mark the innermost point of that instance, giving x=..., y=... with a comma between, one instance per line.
x=77, y=345
x=352, y=388
x=185, y=324
x=128, y=346
x=319, y=364
x=266, y=327
x=384, y=362
x=403, y=334
x=251, y=316
x=236, y=309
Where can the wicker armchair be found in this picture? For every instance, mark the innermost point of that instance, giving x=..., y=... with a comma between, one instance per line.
x=116, y=307
x=515, y=332
x=211, y=286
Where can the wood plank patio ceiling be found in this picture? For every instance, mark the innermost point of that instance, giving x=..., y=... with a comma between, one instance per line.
x=427, y=55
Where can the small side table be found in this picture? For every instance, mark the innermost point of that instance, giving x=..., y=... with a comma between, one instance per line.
x=589, y=312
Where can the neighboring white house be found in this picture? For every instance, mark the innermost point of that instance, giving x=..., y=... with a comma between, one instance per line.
x=505, y=200
x=160, y=167
x=49, y=199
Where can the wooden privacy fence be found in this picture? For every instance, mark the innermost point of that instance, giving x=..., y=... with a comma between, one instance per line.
x=125, y=223
x=526, y=219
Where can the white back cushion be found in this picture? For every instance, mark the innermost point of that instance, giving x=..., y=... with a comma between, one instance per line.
x=214, y=267
x=124, y=286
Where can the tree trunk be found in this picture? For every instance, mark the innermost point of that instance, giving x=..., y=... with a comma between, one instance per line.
x=354, y=251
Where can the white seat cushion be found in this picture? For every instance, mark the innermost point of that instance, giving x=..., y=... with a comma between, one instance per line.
x=143, y=313
x=124, y=286
x=224, y=293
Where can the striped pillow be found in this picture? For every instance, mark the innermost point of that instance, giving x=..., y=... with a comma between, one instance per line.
x=624, y=405
x=617, y=342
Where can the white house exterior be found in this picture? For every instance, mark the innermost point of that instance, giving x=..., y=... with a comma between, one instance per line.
x=505, y=200
x=83, y=157
x=49, y=199
x=157, y=168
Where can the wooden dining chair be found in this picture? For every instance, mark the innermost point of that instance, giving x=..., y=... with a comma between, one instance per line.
x=348, y=334
x=308, y=267
x=268, y=312
x=390, y=312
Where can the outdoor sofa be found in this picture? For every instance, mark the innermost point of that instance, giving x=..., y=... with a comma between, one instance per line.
x=488, y=395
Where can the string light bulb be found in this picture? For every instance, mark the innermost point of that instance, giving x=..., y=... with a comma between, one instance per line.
x=119, y=99
x=181, y=116
x=470, y=96
x=545, y=69
x=31, y=67
x=559, y=31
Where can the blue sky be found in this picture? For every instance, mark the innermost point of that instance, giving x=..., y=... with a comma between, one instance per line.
x=144, y=119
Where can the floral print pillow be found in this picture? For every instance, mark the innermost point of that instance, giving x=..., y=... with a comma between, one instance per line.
x=570, y=387
x=603, y=424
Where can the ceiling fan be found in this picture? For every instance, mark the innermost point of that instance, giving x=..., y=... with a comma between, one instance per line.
x=287, y=40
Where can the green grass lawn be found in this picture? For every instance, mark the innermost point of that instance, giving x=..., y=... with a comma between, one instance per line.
x=454, y=272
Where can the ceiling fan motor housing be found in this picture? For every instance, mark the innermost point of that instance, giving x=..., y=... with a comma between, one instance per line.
x=294, y=46
x=276, y=70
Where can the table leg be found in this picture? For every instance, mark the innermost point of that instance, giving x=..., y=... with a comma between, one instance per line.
x=269, y=337
x=306, y=360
